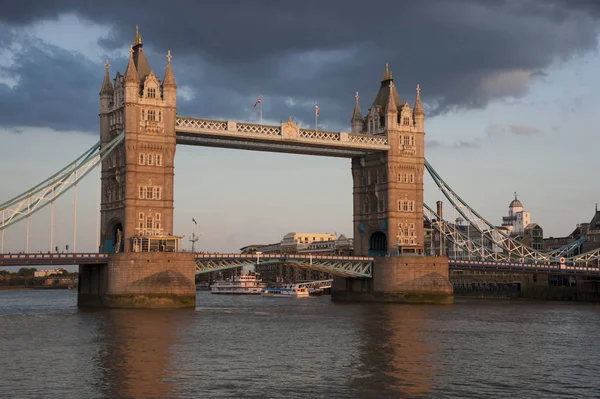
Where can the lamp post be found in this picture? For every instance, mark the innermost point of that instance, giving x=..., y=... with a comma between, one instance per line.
x=193, y=240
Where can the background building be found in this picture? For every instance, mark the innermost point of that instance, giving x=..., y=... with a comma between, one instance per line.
x=518, y=219
x=307, y=243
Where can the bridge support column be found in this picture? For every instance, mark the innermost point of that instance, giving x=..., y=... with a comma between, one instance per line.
x=401, y=279
x=139, y=280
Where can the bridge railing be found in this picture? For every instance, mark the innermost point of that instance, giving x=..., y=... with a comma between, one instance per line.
x=280, y=256
x=286, y=130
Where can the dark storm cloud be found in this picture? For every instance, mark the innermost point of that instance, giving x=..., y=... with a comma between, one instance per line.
x=53, y=89
x=464, y=53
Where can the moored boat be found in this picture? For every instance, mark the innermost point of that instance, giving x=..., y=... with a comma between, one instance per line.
x=248, y=284
x=285, y=292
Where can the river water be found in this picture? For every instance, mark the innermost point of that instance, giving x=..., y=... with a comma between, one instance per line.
x=256, y=347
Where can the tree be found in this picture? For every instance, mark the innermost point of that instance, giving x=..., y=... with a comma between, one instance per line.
x=26, y=272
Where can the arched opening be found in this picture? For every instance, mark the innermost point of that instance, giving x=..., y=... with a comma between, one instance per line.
x=112, y=237
x=118, y=240
x=378, y=244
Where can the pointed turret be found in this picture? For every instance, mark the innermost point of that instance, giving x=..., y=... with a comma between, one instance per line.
x=169, y=79
x=418, y=105
x=391, y=109
x=391, y=106
x=418, y=113
x=139, y=57
x=357, y=119
x=386, y=90
x=107, y=87
x=169, y=86
x=106, y=91
x=131, y=74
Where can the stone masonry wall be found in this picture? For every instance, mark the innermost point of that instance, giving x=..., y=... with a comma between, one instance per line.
x=412, y=279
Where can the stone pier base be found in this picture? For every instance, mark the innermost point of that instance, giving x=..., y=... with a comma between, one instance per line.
x=139, y=280
x=403, y=279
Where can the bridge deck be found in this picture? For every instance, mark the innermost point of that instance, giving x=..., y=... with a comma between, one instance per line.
x=51, y=259
x=345, y=266
x=287, y=138
x=522, y=267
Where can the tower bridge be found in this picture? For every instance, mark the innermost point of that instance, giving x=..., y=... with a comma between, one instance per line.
x=140, y=264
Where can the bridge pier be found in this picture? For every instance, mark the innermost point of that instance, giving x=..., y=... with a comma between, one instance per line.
x=399, y=279
x=139, y=280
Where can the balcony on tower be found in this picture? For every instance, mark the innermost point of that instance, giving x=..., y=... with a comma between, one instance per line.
x=155, y=243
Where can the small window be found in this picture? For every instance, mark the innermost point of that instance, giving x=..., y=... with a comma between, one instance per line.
x=149, y=193
x=158, y=160
x=157, y=216
x=141, y=215
x=412, y=178
x=142, y=192
x=143, y=115
x=141, y=162
x=152, y=92
x=150, y=159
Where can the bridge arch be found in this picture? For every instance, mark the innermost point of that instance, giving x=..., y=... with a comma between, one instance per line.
x=110, y=242
x=378, y=244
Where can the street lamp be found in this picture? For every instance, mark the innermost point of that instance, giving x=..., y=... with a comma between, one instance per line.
x=193, y=240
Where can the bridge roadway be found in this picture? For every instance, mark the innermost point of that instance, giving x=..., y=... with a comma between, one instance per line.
x=352, y=266
x=287, y=137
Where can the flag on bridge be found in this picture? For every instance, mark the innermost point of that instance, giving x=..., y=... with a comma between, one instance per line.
x=194, y=220
x=259, y=101
x=316, y=109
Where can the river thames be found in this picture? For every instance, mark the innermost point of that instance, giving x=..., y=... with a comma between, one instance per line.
x=257, y=347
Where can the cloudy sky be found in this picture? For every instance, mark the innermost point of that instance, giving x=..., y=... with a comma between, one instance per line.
x=510, y=89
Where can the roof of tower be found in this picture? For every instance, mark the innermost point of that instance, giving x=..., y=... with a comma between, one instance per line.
x=107, y=87
x=169, y=79
x=139, y=57
x=516, y=203
x=356, y=115
x=383, y=95
x=595, y=222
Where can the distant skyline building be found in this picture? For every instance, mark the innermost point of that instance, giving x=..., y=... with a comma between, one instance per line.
x=518, y=219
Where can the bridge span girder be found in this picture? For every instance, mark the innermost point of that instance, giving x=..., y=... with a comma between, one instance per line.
x=358, y=267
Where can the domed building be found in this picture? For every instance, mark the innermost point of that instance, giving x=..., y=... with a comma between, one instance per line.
x=517, y=220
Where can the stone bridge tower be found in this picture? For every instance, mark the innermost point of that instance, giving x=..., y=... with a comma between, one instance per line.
x=388, y=188
x=388, y=207
x=137, y=178
x=143, y=268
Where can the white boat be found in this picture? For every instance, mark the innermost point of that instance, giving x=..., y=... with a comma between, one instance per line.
x=248, y=284
x=291, y=291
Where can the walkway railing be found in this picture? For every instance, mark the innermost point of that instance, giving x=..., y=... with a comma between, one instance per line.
x=288, y=137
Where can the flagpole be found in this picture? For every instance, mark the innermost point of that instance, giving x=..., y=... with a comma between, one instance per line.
x=316, y=118
x=261, y=113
